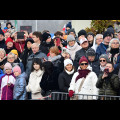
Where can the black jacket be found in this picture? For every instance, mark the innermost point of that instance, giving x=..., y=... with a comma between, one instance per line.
x=2, y=44
x=50, y=81
x=64, y=81
x=45, y=47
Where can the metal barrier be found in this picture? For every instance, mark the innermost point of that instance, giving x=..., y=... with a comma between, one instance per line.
x=65, y=96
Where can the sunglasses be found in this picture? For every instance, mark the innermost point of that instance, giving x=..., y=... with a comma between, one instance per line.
x=102, y=60
x=84, y=64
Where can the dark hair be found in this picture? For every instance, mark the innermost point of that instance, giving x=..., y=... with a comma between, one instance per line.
x=38, y=34
x=37, y=61
x=110, y=63
x=9, y=23
x=58, y=33
x=48, y=67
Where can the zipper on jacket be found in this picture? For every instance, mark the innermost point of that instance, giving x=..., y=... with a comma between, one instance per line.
x=7, y=87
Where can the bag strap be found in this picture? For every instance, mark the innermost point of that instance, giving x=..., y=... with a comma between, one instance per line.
x=82, y=83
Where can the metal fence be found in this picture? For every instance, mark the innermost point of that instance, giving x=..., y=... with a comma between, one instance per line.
x=65, y=96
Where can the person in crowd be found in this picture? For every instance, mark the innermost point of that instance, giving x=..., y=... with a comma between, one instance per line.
x=27, y=51
x=9, y=45
x=35, y=78
x=7, y=83
x=49, y=81
x=101, y=49
x=108, y=82
x=103, y=61
x=89, y=79
x=98, y=39
x=82, y=52
x=10, y=27
x=90, y=38
x=36, y=54
x=3, y=58
x=47, y=43
x=11, y=59
x=19, y=91
x=64, y=35
x=54, y=56
x=7, y=35
x=2, y=40
x=72, y=46
x=66, y=76
x=68, y=26
x=113, y=50
x=72, y=32
x=93, y=61
x=81, y=34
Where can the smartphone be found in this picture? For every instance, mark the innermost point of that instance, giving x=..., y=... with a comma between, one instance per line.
x=106, y=71
x=20, y=35
x=58, y=41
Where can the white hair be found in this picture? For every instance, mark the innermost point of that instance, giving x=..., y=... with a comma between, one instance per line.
x=11, y=54
x=36, y=44
x=2, y=50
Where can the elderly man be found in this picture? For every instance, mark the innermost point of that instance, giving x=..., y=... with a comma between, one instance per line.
x=101, y=49
x=36, y=54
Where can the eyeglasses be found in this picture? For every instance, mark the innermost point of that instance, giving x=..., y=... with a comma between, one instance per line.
x=115, y=42
x=102, y=60
x=84, y=64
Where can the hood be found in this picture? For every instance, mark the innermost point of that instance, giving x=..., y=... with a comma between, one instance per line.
x=89, y=68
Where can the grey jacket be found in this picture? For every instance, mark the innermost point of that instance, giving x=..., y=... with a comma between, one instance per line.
x=39, y=54
x=19, y=91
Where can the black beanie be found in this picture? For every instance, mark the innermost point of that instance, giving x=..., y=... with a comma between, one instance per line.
x=45, y=36
x=82, y=32
x=106, y=33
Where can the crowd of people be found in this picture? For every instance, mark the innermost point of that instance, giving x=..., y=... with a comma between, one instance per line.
x=82, y=63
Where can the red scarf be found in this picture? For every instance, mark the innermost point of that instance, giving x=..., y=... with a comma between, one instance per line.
x=82, y=73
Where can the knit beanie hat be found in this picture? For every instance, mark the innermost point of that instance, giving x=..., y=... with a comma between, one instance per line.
x=17, y=69
x=67, y=61
x=105, y=57
x=106, y=33
x=8, y=40
x=45, y=36
x=69, y=25
x=71, y=30
x=83, y=58
x=90, y=52
x=14, y=51
x=82, y=32
x=70, y=38
x=7, y=66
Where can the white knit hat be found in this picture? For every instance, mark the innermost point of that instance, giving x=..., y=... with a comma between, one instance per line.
x=67, y=61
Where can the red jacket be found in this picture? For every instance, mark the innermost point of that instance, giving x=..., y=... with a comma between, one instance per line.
x=19, y=46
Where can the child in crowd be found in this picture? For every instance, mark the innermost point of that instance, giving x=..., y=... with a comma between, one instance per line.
x=19, y=92
x=7, y=83
x=35, y=78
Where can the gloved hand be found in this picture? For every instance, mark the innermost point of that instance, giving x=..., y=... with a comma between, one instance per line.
x=71, y=92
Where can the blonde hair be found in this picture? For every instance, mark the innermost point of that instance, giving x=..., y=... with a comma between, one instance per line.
x=55, y=50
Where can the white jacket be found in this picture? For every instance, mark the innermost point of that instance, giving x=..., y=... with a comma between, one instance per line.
x=88, y=87
x=34, y=81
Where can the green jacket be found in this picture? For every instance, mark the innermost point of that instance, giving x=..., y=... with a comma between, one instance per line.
x=109, y=85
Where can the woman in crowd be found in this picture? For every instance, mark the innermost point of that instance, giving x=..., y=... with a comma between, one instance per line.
x=35, y=78
x=83, y=81
x=108, y=82
x=66, y=76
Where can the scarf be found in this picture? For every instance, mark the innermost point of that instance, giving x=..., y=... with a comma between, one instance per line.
x=82, y=73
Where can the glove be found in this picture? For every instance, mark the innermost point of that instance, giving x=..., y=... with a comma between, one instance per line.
x=71, y=92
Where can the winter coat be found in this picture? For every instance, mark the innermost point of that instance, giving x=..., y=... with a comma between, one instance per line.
x=50, y=81
x=1, y=73
x=34, y=80
x=78, y=55
x=6, y=92
x=24, y=56
x=2, y=44
x=55, y=60
x=88, y=87
x=19, y=91
x=39, y=54
x=95, y=66
x=45, y=47
x=101, y=49
x=73, y=50
x=108, y=85
x=64, y=80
